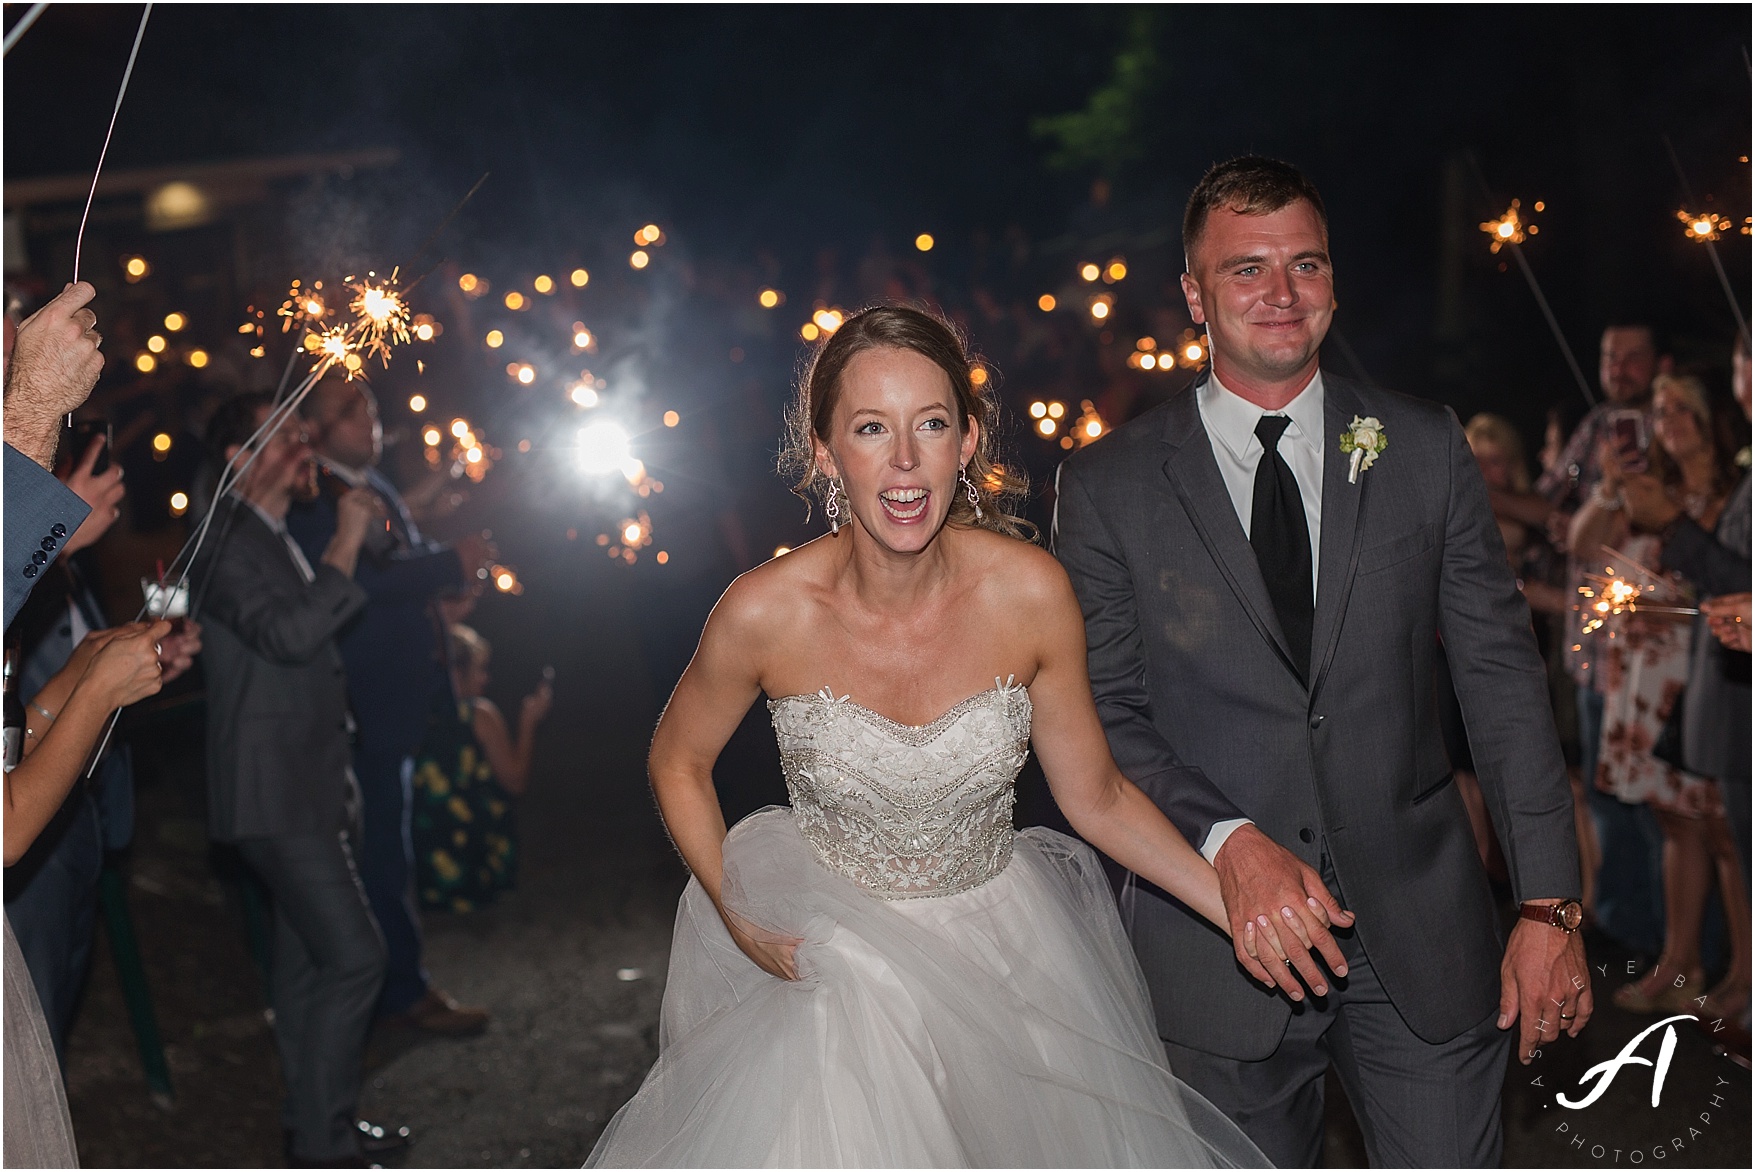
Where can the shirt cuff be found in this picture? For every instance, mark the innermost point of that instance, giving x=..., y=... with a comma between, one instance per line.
x=1209, y=850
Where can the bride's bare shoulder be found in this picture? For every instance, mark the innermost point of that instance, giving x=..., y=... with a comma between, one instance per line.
x=1019, y=572
x=776, y=594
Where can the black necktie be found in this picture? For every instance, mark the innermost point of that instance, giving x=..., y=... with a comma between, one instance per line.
x=1281, y=538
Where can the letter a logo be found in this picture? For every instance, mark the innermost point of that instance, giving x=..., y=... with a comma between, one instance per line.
x=1609, y=1069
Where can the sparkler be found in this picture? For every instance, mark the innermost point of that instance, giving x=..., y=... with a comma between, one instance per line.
x=1705, y=228
x=79, y=240
x=1613, y=593
x=381, y=316
x=1509, y=231
x=304, y=306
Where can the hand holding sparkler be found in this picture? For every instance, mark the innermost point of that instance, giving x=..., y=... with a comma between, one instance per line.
x=1730, y=619
x=52, y=366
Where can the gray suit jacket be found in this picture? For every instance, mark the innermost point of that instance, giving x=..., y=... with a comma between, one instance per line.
x=278, y=752
x=40, y=513
x=1206, y=713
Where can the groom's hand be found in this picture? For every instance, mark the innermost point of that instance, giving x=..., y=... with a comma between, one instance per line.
x=1544, y=981
x=1279, y=910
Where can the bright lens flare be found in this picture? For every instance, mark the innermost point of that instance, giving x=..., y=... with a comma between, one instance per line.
x=604, y=448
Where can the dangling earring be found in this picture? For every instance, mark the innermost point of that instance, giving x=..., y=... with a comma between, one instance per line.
x=969, y=489
x=832, y=507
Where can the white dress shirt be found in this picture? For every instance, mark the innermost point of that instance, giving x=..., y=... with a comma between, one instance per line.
x=1230, y=422
x=278, y=524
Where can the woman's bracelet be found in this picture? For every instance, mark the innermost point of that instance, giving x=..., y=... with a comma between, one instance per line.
x=47, y=715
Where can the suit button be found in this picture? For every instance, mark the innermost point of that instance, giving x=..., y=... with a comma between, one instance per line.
x=30, y=571
x=58, y=529
x=1304, y=834
x=1316, y=721
x=48, y=543
x=39, y=557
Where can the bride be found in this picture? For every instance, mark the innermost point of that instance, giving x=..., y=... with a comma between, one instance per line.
x=885, y=974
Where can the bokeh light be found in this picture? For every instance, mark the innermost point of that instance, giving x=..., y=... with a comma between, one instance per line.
x=495, y=339
x=640, y=259
x=175, y=322
x=544, y=284
x=924, y=242
x=579, y=278
x=1046, y=303
x=417, y=403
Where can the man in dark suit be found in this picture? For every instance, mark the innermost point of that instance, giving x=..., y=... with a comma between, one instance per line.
x=278, y=777
x=395, y=670
x=1264, y=581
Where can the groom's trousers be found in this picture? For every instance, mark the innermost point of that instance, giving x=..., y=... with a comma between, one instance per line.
x=328, y=966
x=1419, y=1105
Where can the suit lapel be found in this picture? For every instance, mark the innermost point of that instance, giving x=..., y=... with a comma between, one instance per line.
x=1194, y=475
x=1340, y=525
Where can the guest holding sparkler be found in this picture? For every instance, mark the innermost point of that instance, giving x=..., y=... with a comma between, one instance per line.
x=1645, y=669
x=52, y=893
x=1628, y=904
x=1716, y=715
x=279, y=782
x=395, y=669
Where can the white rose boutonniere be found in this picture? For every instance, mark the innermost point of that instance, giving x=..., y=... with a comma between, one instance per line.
x=1364, y=441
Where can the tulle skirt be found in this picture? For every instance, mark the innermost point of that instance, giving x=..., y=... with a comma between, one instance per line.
x=1005, y=1026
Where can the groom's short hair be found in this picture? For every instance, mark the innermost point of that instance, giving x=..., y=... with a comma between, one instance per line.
x=1251, y=186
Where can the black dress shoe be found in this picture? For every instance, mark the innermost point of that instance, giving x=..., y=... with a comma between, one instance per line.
x=376, y=1139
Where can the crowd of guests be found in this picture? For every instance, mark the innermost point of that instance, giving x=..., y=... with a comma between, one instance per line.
x=360, y=772
x=327, y=629
x=1651, y=487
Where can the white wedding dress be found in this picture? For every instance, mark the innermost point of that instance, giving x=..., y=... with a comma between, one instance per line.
x=966, y=995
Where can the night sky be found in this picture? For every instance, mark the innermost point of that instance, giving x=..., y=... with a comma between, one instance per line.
x=791, y=129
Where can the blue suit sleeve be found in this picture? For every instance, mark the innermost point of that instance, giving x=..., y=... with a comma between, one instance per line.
x=408, y=575
x=41, y=513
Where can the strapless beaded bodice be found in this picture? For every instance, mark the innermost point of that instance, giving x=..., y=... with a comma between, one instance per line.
x=905, y=810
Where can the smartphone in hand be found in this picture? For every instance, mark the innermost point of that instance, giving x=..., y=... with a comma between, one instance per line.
x=1632, y=438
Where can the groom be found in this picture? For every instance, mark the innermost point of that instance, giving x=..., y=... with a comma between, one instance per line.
x=1263, y=608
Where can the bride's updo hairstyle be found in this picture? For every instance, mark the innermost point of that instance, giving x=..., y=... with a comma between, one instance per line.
x=934, y=338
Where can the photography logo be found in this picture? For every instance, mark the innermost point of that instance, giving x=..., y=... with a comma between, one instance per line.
x=1610, y=1135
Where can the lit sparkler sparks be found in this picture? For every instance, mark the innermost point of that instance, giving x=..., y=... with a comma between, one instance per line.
x=1614, y=593
x=381, y=316
x=1706, y=226
x=1511, y=228
x=304, y=306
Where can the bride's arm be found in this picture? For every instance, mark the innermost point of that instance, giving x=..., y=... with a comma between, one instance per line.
x=1109, y=811
x=710, y=701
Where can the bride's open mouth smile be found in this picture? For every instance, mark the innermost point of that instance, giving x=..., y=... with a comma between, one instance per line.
x=905, y=505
